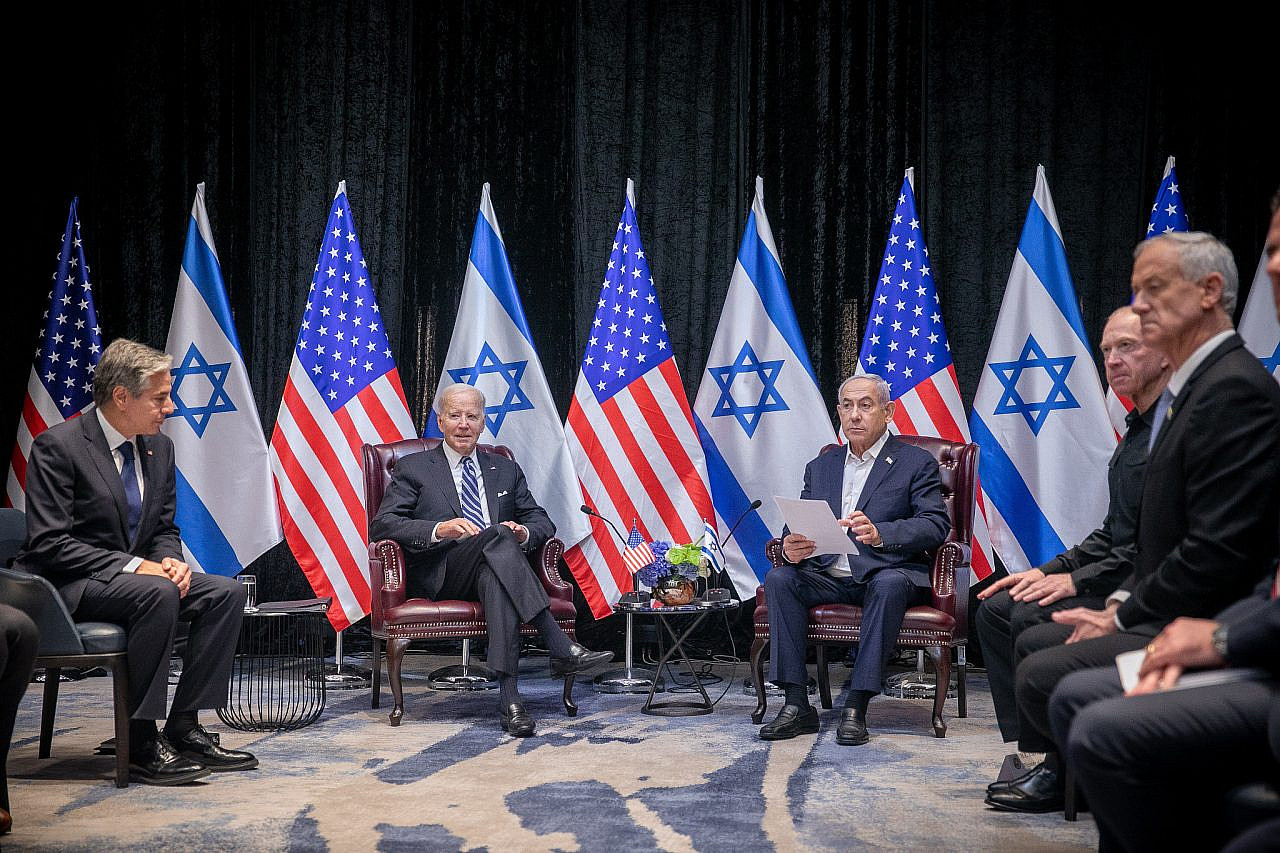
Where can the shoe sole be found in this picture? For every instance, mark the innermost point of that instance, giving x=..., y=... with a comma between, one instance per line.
x=570, y=669
x=136, y=774
x=852, y=741
x=519, y=733
x=1037, y=809
x=222, y=768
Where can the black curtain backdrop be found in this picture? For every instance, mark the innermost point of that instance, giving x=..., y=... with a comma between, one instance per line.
x=556, y=104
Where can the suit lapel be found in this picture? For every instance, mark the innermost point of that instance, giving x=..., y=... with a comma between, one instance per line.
x=105, y=464
x=489, y=471
x=1175, y=405
x=444, y=479
x=883, y=465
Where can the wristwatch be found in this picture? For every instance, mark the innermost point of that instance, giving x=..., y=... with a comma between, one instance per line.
x=1219, y=641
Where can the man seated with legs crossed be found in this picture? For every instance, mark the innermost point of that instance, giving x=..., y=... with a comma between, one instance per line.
x=100, y=505
x=1085, y=575
x=889, y=494
x=467, y=523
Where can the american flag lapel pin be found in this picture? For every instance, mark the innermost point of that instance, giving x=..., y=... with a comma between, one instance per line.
x=888, y=460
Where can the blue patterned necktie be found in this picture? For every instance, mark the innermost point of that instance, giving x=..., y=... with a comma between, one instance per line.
x=132, y=494
x=471, y=494
x=1160, y=415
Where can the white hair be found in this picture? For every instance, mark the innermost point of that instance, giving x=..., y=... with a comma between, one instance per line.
x=882, y=387
x=1201, y=253
x=452, y=390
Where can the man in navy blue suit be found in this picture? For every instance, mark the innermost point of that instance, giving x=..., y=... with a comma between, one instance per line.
x=889, y=495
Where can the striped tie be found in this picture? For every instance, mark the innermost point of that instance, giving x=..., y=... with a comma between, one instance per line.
x=471, y=494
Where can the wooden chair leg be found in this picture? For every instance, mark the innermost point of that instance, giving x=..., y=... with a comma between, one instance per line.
x=377, y=673
x=49, y=709
x=758, y=646
x=941, y=657
x=567, y=696
x=395, y=656
x=962, y=672
x=824, y=676
x=120, y=689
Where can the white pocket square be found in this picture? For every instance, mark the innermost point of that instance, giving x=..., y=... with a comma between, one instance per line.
x=500, y=494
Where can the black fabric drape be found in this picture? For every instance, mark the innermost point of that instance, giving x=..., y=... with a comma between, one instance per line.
x=557, y=104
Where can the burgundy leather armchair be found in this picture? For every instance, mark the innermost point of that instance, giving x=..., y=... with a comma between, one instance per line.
x=936, y=628
x=395, y=619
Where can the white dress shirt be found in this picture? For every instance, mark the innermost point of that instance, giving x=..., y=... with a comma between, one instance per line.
x=856, y=471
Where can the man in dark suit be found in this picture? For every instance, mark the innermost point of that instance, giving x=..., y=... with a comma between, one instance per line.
x=1084, y=575
x=467, y=522
x=100, y=504
x=1207, y=521
x=889, y=495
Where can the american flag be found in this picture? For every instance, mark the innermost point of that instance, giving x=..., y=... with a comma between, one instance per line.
x=70, y=344
x=343, y=391
x=1168, y=215
x=630, y=430
x=906, y=344
x=637, y=554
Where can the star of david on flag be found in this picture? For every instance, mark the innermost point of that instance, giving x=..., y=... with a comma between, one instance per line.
x=60, y=385
x=759, y=412
x=226, y=512
x=906, y=344
x=492, y=349
x=630, y=431
x=1039, y=414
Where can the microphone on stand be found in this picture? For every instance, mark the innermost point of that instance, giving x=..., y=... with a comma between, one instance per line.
x=634, y=597
x=716, y=595
x=591, y=512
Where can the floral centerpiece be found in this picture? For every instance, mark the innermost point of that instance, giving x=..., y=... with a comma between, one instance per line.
x=671, y=575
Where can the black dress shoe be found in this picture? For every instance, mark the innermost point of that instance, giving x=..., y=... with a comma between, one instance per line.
x=852, y=730
x=1006, y=784
x=516, y=720
x=156, y=762
x=201, y=745
x=580, y=658
x=1038, y=792
x=791, y=721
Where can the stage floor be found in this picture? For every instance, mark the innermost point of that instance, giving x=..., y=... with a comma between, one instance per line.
x=450, y=779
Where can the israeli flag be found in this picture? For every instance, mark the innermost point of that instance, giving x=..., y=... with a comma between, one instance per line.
x=1039, y=414
x=493, y=350
x=226, y=500
x=759, y=413
x=1258, y=324
x=711, y=548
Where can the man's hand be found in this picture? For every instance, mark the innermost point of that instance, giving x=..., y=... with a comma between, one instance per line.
x=863, y=530
x=521, y=532
x=1088, y=623
x=1184, y=643
x=456, y=528
x=1014, y=583
x=796, y=547
x=1047, y=589
x=167, y=568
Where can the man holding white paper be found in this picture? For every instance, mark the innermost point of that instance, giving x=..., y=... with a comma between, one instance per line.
x=888, y=494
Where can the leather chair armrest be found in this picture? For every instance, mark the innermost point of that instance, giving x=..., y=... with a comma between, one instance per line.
x=386, y=577
x=546, y=564
x=950, y=580
x=773, y=550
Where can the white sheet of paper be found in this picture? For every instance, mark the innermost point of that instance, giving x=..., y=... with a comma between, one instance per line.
x=1128, y=663
x=814, y=520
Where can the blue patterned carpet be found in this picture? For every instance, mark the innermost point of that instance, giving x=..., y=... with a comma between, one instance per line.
x=610, y=779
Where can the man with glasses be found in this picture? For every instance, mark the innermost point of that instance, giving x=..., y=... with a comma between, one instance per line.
x=467, y=522
x=889, y=495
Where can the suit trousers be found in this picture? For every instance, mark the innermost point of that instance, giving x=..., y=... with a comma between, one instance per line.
x=149, y=608
x=492, y=567
x=1155, y=768
x=1047, y=661
x=884, y=597
x=1001, y=621
x=19, y=643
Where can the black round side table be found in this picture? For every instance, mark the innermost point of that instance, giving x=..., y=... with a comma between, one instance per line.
x=273, y=679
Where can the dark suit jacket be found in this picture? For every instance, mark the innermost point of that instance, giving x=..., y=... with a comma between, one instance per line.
x=903, y=499
x=1210, y=505
x=77, y=531
x=422, y=494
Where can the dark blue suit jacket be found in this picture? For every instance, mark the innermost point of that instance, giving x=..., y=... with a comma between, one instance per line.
x=903, y=499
